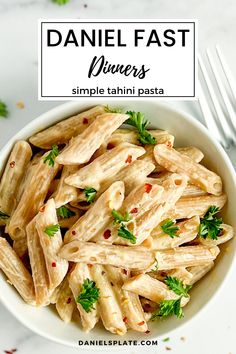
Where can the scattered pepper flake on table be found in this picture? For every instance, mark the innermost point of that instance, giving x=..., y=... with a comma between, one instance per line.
x=20, y=105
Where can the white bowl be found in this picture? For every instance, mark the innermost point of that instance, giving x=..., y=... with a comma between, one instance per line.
x=187, y=131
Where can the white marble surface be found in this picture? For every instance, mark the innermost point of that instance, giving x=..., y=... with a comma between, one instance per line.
x=213, y=331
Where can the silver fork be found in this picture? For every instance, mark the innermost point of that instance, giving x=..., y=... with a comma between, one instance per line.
x=219, y=114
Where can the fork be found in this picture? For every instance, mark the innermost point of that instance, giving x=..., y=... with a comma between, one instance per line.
x=219, y=114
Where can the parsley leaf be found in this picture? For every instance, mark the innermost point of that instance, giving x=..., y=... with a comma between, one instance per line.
x=3, y=216
x=51, y=230
x=90, y=194
x=177, y=286
x=138, y=121
x=169, y=308
x=118, y=218
x=3, y=109
x=109, y=109
x=89, y=295
x=64, y=212
x=210, y=225
x=169, y=228
x=61, y=2
x=125, y=233
x=50, y=158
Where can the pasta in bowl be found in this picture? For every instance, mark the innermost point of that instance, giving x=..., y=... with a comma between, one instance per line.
x=113, y=223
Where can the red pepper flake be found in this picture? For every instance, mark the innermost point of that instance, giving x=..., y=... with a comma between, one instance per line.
x=141, y=323
x=148, y=187
x=12, y=164
x=73, y=232
x=85, y=121
x=129, y=159
x=110, y=146
x=125, y=271
x=107, y=234
x=147, y=332
x=169, y=144
x=168, y=348
x=68, y=300
x=42, y=209
x=54, y=264
x=125, y=319
x=10, y=351
x=134, y=210
x=90, y=265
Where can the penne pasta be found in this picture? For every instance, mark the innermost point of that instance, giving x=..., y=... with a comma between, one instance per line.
x=77, y=277
x=198, y=272
x=227, y=233
x=109, y=307
x=12, y=177
x=185, y=256
x=132, y=175
x=105, y=166
x=65, y=303
x=65, y=193
x=133, y=314
x=16, y=272
x=192, y=152
x=63, y=131
x=152, y=289
x=118, y=256
x=98, y=216
x=56, y=267
x=187, y=232
x=82, y=147
x=32, y=198
x=188, y=207
x=136, y=204
x=38, y=266
x=181, y=273
x=198, y=175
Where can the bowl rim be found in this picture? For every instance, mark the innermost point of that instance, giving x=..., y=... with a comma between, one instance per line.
x=69, y=109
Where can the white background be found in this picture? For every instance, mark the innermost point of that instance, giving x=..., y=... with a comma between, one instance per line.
x=213, y=331
x=170, y=68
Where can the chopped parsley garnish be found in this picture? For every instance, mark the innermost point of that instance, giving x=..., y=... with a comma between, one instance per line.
x=109, y=109
x=177, y=286
x=3, y=216
x=65, y=213
x=118, y=218
x=61, y=2
x=89, y=295
x=90, y=194
x=51, y=230
x=125, y=233
x=168, y=308
x=138, y=121
x=3, y=109
x=166, y=339
x=210, y=225
x=169, y=228
x=50, y=158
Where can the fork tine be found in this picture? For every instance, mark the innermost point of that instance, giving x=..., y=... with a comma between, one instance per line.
x=228, y=105
x=221, y=117
x=209, y=118
x=227, y=71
